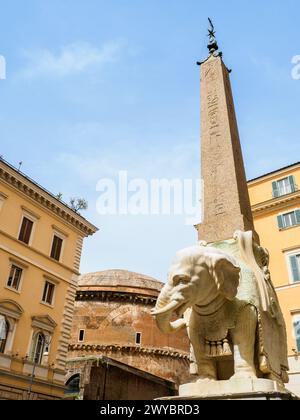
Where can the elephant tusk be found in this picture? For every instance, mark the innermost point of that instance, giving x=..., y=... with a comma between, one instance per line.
x=178, y=325
x=168, y=308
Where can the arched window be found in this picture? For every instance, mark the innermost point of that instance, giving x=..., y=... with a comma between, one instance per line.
x=73, y=385
x=4, y=331
x=38, y=348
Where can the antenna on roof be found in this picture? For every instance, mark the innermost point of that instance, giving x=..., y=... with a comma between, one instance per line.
x=20, y=165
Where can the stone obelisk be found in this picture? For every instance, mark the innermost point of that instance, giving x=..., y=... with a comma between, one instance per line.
x=226, y=205
x=234, y=321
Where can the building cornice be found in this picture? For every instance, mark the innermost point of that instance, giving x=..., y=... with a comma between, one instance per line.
x=107, y=348
x=40, y=196
x=273, y=174
x=276, y=204
x=112, y=296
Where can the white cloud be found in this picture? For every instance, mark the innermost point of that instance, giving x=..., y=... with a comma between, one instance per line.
x=71, y=59
x=91, y=150
x=181, y=161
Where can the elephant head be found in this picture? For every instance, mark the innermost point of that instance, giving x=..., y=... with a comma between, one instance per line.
x=199, y=276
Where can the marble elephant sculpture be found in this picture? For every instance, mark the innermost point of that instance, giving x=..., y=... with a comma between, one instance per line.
x=201, y=292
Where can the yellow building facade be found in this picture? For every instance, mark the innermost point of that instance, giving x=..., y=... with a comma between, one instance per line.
x=275, y=200
x=41, y=241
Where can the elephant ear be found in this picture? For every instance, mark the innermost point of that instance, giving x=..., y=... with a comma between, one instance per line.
x=226, y=273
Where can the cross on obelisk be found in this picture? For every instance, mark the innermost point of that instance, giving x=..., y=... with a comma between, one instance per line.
x=226, y=203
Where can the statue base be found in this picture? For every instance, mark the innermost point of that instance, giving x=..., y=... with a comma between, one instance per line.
x=235, y=389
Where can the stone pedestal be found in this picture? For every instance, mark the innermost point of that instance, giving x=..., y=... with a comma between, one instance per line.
x=237, y=389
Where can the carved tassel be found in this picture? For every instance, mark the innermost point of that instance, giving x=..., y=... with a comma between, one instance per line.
x=213, y=349
x=226, y=348
x=219, y=348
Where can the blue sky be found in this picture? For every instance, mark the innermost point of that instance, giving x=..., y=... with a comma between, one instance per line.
x=94, y=87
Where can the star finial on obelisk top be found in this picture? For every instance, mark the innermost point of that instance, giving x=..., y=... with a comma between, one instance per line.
x=213, y=44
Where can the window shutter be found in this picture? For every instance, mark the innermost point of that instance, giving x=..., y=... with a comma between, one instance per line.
x=45, y=292
x=297, y=334
x=297, y=212
x=280, y=222
x=26, y=230
x=275, y=189
x=292, y=183
x=298, y=344
x=56, y=248
x=295, y=269
x=3, y=331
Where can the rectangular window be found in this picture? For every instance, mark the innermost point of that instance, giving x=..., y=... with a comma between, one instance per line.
x=138, y=338
x=295, y=267
x=297, y=333
x=38, y=348
x=26, y=230
x=284, y=186
x=56, y=248
x=15, y=276
x=289, y=219
x=81, y=335
x=48, y=294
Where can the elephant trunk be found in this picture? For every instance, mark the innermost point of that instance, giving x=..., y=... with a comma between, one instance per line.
x=163, y=313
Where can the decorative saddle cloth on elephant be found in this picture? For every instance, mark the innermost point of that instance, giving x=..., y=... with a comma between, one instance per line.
x=214, y=329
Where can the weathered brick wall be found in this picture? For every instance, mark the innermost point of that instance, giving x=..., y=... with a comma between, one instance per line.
x=110, y=330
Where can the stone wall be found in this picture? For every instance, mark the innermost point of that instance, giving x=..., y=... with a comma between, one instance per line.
x=110, y=330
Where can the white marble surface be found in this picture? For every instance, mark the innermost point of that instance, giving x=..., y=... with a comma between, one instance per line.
x=232, y=387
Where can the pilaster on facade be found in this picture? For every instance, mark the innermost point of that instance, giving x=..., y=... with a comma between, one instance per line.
x=66, y=325
x=78, y=253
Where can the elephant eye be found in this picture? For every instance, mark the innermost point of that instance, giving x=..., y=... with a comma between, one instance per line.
x=180, y=279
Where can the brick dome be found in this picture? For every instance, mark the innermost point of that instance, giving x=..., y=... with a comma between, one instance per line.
x=112, y=318
x=119, y=280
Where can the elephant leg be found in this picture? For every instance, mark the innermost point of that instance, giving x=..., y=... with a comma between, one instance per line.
x=206, y=367
x=244, y=338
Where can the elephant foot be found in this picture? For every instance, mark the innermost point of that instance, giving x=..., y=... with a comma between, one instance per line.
x=207, y=371
x=245, y=374
x=202, y=379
